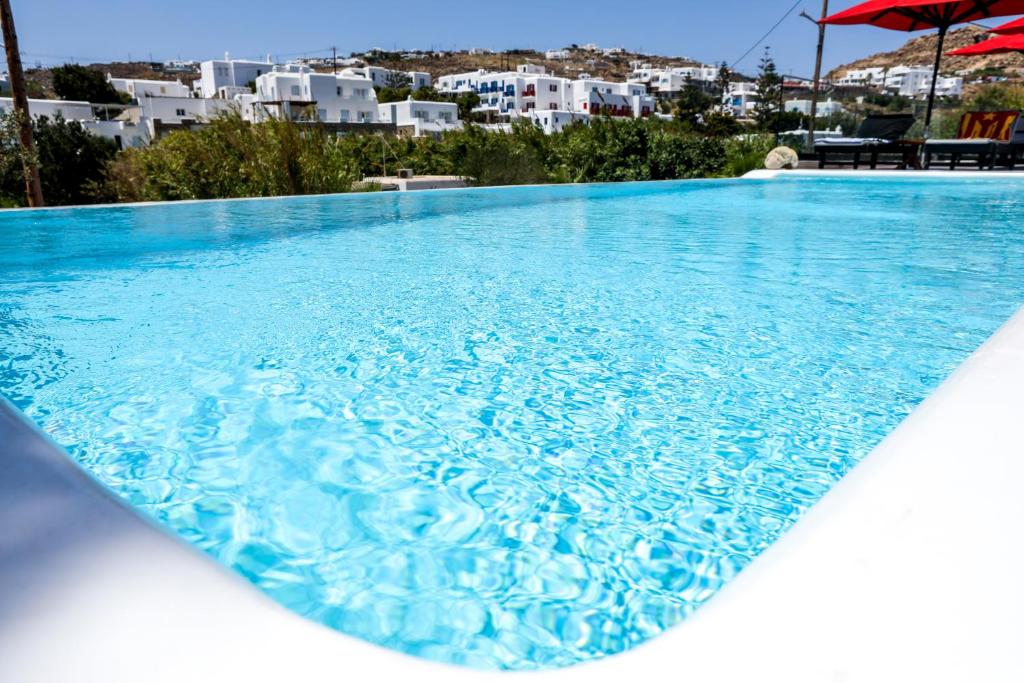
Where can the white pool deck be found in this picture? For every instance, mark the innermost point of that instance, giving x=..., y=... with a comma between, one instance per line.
x=910, y=569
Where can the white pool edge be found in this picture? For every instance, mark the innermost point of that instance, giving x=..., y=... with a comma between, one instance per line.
x=907, y=570
x=930, y=174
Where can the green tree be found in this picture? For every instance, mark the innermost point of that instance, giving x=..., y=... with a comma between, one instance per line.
x=397, y=79
x=692, y=104
x=723, y=79
x=769, y=90
x=76, y=82
x=71, y=161
x=467, y=102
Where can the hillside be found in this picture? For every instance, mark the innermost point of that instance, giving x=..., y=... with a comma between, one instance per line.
x=921, y=50
x=612, y=67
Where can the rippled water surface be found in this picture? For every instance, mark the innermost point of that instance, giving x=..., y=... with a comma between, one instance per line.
x=511, y=428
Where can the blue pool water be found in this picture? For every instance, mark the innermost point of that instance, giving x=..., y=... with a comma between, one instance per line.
x=512, y=428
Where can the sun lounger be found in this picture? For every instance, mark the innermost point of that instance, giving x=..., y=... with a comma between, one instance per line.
x=878, y=134
x=994, y=138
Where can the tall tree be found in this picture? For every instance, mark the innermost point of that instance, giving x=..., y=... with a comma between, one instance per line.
x=29, y=161
x=769, y=90
x=722, y=80
x=692, y=104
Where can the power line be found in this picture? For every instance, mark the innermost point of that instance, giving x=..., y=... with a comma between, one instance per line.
x=770, y=31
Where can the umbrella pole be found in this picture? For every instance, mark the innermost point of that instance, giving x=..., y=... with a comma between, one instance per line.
x=935, y=78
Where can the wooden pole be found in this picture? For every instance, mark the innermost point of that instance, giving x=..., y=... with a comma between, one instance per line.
x=817, y=76
x=33, y=187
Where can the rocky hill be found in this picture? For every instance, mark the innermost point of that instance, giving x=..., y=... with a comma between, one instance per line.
x=613, y=67
x=921, y=51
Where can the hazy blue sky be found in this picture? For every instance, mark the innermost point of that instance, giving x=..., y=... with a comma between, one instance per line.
x=54, y=31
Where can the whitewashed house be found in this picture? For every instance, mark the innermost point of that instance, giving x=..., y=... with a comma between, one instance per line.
x=594, y=97
x=140, y=87
x=235, y=73
x=295, y=92
x=556, y=120
x=417, y=118
x=528, y=92
x=872, y=77
x=124, y=133
x=462, y=82
x=740, y=99
x=381, y=77
x=559, y=55
x=69, y=110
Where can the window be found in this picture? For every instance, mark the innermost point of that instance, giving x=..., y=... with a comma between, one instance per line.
x=344, y=115
x=162, y=90
x=553, y=88
x=295, y=90
x=341, y=91
x=179, y=112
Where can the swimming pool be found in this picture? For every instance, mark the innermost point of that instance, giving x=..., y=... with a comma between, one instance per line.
x=508, y=428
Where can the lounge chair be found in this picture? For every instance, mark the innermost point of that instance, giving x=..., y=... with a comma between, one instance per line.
x=878, y=134
x=991, y=138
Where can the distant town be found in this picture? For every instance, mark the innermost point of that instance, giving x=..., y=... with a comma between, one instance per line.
x=552, y=89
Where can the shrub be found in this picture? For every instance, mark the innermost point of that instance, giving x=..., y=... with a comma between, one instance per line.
x=71, y=161
x=231, y=158
x=746, y=153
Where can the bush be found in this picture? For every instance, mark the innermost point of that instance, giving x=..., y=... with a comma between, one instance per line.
x=231, y=158
x=746, y=153
x=71, y=161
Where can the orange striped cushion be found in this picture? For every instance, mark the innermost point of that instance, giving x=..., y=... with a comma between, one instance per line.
x=994, y=125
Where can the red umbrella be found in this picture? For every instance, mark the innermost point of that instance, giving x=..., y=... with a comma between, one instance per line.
x=992, y=46
x=917, y=15
x=1015, y=26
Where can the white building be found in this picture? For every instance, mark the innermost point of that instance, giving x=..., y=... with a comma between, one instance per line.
x=873, y=77
x=529, y=90
x=238, y=73
x=560, y=55
x=556, y=120
x=740, y=99
x=140, y=87
x=827, y=108
x=593, y=97
x=381, y=77
x=124, y=133
x=908, y=81
x=181, y=66
x=296, y=93
x=420, y=119
x=67, y=109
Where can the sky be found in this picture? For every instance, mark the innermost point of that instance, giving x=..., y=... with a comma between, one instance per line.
x=58, y=31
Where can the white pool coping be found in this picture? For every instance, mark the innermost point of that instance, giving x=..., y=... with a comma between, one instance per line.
x=930, y=174
x=908, y=570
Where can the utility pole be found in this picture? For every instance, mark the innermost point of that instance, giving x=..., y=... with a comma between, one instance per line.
x=33, y=187
x=817, y=73
x=334, y=59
